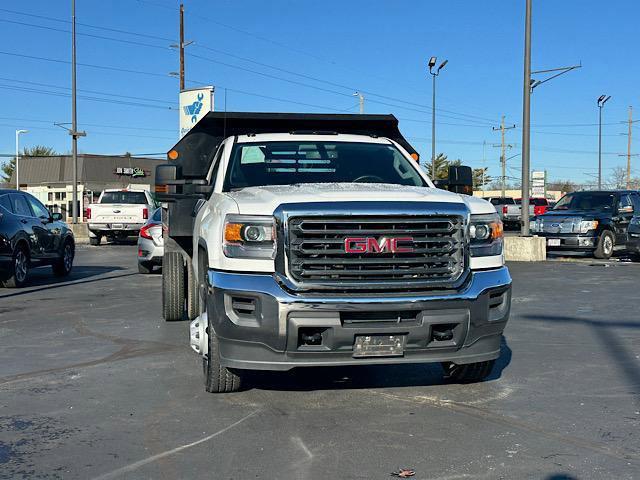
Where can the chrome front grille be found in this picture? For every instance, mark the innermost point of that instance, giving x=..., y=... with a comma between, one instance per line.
x=317, y=251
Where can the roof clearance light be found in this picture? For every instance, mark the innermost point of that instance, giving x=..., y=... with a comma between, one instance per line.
x=415, y=156
x=173, y=155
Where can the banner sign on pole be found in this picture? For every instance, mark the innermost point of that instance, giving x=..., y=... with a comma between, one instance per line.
x=195, y=103
x=538, y=181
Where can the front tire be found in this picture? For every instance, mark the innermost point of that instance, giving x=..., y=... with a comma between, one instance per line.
x=63, y=266
x=604, y=249
x=172, y=286
x=95, y=240
x=19, y=270
x=218, y=379
x=469, y=372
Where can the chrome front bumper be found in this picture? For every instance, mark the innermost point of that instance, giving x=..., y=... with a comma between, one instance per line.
x=258, y=323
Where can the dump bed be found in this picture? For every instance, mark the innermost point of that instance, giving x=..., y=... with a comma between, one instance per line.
x=195, y=151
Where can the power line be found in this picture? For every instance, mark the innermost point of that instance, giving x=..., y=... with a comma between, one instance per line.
x=309, y=77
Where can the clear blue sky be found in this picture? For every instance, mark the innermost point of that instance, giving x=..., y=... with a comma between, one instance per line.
x=380, y=47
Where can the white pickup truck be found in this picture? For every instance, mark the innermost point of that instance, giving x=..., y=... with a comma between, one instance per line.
x=118, y=214
x=316, y=240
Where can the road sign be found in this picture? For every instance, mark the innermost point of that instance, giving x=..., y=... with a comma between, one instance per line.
x=195, y=103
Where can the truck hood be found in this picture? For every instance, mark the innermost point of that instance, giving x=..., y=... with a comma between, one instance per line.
x=264, y=200
x=583, y=214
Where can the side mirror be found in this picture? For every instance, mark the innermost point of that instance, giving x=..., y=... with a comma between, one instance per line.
x=56, y=217
x=169, y=183
x=461, y=179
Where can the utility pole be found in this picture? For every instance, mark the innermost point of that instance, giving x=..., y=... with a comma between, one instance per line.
x=503, y=154
x=18, y=133
x=74, y=118
x=181, y=47
x=526, y=118
x=629, y=148
x=361, y=101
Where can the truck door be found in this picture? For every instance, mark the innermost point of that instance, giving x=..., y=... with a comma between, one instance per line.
x=622, y=220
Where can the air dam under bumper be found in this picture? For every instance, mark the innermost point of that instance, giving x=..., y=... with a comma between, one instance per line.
x=263, y=327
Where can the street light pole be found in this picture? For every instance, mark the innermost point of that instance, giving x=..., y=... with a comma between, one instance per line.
x=602, y=99
x=18, y=132
x=360, y=102
x=74, y=119
x=434, y=74
x=526, y=118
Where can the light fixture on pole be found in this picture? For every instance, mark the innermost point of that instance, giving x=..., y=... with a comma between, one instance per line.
x=602, y=99
x=18, y=132
x=434, y=73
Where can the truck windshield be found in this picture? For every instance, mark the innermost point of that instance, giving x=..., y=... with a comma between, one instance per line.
x=124, y=197
x=289, y=163
x=586, y=201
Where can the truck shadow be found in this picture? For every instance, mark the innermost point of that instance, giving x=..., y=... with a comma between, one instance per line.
x=364, y=376
x=42, y=279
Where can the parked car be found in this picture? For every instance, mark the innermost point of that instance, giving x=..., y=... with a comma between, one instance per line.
x=507, y=209
x=595, y=222
x=151, y=243
x=118, y=214
x=537, y=206
x=31, y=236
x=633, y=241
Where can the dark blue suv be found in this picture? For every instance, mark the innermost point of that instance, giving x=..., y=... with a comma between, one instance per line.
x=30, y=236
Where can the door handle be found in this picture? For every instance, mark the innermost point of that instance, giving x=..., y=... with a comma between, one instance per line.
x=24, y=220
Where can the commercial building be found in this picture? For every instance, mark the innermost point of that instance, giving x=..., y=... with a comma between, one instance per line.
x=50, y=179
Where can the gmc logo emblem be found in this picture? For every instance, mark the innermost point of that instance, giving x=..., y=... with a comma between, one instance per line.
x=378, y=245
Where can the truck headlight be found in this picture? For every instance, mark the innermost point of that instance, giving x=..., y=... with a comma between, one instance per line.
x=249, y=236
x=486, y=235
x=587, y=225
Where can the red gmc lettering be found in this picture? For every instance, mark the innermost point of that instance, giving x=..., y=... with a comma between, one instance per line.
x=373, y=245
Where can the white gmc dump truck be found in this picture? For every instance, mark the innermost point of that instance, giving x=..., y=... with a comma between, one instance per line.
x=301, y=240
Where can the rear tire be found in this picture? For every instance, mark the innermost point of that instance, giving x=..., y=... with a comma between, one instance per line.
x=145, y=268
x=95, y=240
x=172, y=286
x=469, y=372
x=63, y=266
x=604, y=249
x=19, y=269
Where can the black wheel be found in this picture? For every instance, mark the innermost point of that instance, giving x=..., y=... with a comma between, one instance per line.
x=193, y=306
x=217, y=379
x=605, y=245
x=145, y=268
x=95, y=240
x=63, y=266
x=19, y=269
x=469, y=372
x=172, y=286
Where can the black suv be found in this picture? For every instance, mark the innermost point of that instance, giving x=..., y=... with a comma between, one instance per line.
x=30, y=236
x=592, y=221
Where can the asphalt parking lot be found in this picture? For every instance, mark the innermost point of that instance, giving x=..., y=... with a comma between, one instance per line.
x=95, y=385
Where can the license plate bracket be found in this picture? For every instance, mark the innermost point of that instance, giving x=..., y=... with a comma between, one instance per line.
x=117, y=226
x=379, y=346
x=553, y=242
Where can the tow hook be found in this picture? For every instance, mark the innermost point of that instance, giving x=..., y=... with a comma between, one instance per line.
x=198, y=334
